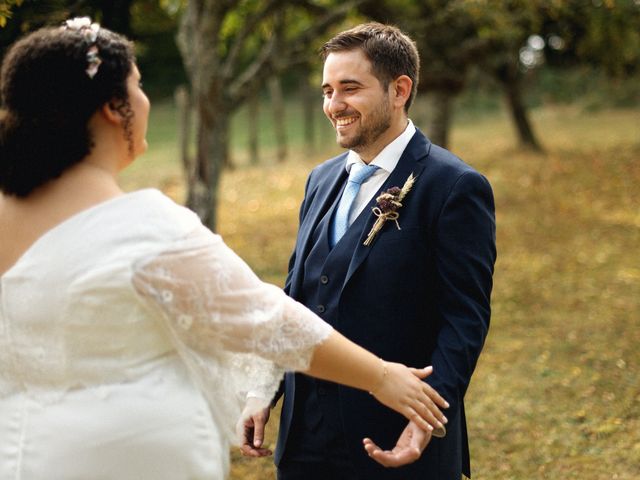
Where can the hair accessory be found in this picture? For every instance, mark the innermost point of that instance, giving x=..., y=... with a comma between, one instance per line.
x=89, y=32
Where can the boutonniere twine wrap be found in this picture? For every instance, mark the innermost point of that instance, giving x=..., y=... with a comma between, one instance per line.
x=387, y=205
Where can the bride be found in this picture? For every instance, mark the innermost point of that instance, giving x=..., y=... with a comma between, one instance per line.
x=130, y=335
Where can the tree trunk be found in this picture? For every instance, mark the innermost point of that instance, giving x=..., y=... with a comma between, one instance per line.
x=309, y=106
x=183, y=106
x=277, y=105
x=227, y=161
x=439, y=123
x=254, y=113
x=213, y=145
x=511, y=80
x=519, y=115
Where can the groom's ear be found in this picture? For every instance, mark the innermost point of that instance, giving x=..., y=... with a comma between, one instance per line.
x=401, y=90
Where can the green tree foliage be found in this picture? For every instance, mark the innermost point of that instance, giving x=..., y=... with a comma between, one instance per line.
x=21, y=16
x=449, y=36
x=6, y=7
x=602, y=34
x=504, y=27
x=151, y=23
x=496, y=35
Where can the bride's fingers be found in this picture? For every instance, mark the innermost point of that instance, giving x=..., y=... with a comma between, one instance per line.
x=433, y=409
x=434, y=395
x=422, y=373
x=428, y=416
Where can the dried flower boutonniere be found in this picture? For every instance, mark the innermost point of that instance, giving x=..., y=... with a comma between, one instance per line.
x=387, y=205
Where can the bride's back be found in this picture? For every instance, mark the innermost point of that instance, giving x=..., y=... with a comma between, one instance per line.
x=69, y=304
x=14, y=237
x=91, y=382
x=24, y=220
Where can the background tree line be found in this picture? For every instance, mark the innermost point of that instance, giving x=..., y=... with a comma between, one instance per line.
x=228, y=52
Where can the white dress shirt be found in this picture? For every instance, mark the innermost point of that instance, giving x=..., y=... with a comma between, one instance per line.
x=386, y=160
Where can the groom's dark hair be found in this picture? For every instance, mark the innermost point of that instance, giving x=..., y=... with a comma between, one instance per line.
x=391, y=52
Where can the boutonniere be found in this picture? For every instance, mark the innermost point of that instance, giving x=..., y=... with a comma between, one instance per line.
x=387, y=205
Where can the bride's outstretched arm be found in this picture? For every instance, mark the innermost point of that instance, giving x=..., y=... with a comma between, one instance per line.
x=219, y=312
x=398, y=387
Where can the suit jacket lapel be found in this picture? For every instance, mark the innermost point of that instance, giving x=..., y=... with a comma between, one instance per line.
x=327, y=191
x=410, y=162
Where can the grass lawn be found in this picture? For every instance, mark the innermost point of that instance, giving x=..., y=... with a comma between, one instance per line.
x=556, y=394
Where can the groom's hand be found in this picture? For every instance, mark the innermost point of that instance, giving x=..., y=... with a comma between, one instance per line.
x=253, y=433
x=408, y=448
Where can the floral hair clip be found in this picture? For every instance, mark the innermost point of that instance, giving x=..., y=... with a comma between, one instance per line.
x=89, y=32
x=387, y=205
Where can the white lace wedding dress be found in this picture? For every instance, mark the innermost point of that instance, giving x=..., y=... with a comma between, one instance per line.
x=129, y=337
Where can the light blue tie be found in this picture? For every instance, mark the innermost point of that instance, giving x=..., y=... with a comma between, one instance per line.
x=357, y=176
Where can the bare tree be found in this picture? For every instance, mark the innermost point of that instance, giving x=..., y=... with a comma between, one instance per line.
x=309, y=106
x=253, y=128
x=229, y=50
x=278, y=111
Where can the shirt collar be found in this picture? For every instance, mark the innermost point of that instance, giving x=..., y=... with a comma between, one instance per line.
x=388, y=158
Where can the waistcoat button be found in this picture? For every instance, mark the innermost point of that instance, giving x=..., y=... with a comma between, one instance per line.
x=321, y=308
x=324, y=279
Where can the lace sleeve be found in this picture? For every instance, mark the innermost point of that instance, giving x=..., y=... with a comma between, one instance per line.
x=235, y=333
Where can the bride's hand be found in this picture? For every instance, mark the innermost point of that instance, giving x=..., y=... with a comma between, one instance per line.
x=402, y=389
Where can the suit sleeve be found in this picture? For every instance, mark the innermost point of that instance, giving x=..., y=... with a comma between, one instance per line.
x=465, y=255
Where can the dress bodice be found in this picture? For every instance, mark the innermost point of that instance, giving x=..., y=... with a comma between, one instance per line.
x=135, y=299
x=69, y=315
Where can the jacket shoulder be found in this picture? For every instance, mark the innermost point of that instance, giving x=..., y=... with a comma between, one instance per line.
x=444, y=162
x=328, y=168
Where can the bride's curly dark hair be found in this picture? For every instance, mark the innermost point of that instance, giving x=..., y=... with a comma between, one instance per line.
x=48, y=98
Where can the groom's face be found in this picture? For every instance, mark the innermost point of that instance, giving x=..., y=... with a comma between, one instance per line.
x=355, y=101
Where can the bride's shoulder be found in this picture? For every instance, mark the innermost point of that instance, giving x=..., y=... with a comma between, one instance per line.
x=152, y=208
x=155, y=200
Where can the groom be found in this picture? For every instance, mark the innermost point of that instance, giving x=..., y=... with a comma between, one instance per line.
x=417, y=292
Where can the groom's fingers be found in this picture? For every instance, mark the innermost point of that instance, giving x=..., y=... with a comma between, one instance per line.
x=250, y=447
x=253, y=437
x=392, y=458
x=248, y=451
x=258, y=431
x=418, y=419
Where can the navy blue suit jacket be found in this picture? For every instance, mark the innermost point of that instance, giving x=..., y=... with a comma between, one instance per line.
x=419, y=295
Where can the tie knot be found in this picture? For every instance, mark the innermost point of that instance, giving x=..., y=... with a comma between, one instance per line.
x=359, y=172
